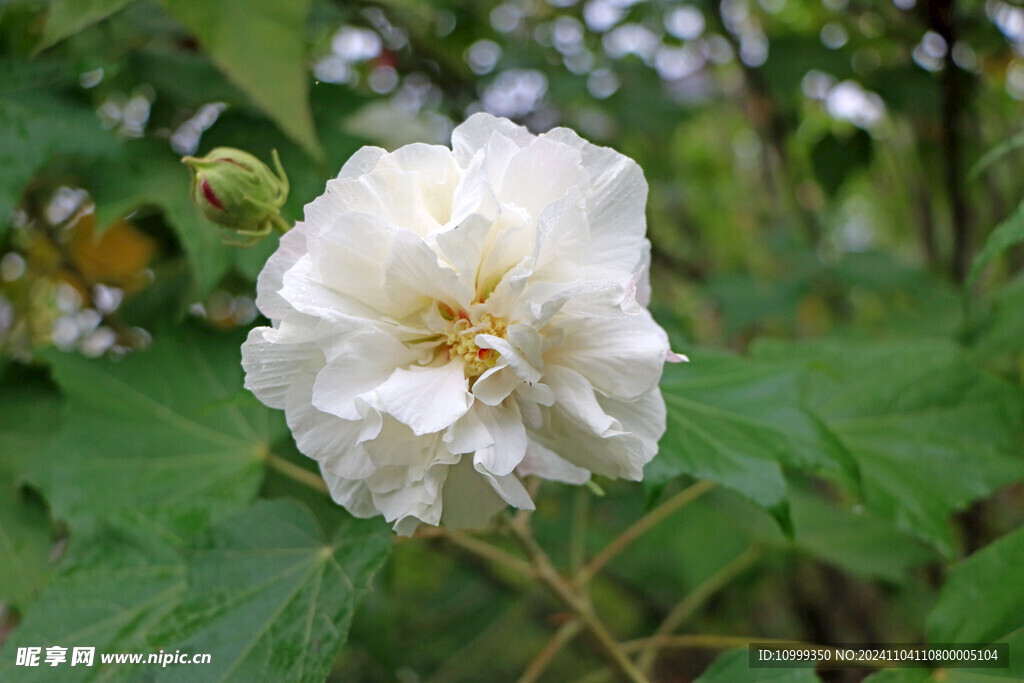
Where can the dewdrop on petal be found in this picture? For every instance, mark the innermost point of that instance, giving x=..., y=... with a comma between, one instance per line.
x=237, y=191
x=446, y=322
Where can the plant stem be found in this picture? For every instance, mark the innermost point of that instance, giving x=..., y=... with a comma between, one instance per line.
x=711, y=642
x=579, y=604
x=293, y=471
x=578, y=534
x=490, y=553
x=538, y=664
x=692, y=602
x=638, y=528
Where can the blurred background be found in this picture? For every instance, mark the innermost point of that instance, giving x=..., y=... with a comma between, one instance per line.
x=810, y=169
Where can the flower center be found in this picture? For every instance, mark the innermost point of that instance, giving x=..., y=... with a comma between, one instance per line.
x=459, y=339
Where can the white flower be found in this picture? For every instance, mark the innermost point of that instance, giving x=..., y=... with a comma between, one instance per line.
x=448, y=321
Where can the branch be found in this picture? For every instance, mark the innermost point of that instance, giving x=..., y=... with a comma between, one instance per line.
x=580, y=605
x=490, y=553
x=562, y=637
x=641, y=526
x=692, y=602
x=293, y=471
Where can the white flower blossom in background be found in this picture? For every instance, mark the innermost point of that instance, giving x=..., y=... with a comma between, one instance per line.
x=448, y=321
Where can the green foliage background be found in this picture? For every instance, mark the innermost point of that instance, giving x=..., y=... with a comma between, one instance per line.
x=855, y=391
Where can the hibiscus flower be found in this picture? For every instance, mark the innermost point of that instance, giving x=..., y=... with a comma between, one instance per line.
x=448, y=321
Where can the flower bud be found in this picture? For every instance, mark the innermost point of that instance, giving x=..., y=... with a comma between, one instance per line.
x=236, y=190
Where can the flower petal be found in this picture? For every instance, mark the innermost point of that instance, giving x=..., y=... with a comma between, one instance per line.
x=478, y=129
x=468, y=434
x=290, y=249
x=428, y=399
x=622, y=357
x=351, y=493
x=509, y=488
x=495, y=385
x=362, y=162
x=574, y=397
x=414, y=277
x=331, y=441
x=508, y=437
x=274, y=358
x=539, y=174
x=363, y=360
x=511, y=355
x=618, y=187
x=546, y=464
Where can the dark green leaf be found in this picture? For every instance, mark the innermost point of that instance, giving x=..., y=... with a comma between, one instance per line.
x=1006, y=234
x=25, y=545
x=739, y=423
x=1001, y=333
x=270, y=598
x=166, y=430
x=117, y=583
x=995, y=154
x=854, y=539
x=983, y=599
x=34, y=130
x=912, y=414
x=68, y=17
x=146, y=175
x=29, y=414
x=260, y=45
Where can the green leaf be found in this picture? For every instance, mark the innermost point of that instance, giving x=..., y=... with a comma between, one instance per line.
x=1000, y=335
x=270, y=598
x=25, y=540
x=68, y=17
x=166, y=431
x=995, y=154
x=854, y=539
x=28, y=417
x=118, y=582
x=261, y=46
x=29, y=414
x=983, y=598
x=739, y=423
x=930, y=433
x=150, y=175
x=734, y=667
x=1006, y=234
x=33, y=131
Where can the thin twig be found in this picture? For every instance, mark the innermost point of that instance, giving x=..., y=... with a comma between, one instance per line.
x=694, y=600
x=654, y=516
x=490, y=553
x=579, y=604
x=578, y=532
x=699, y=641
x=562, y=637
x=293, y=471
